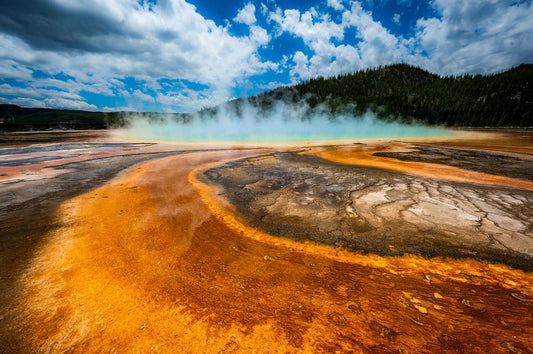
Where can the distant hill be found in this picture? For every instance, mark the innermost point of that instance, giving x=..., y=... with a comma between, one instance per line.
x=394, y=92
x=15, y=118
x=405, y=92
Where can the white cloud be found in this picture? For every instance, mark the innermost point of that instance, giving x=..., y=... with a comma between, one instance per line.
x=319, y=32
x=196, y=99
x=396, y=19
x=301, y=65
x=100, y=44
x=119, y=109
x=8, y=90
x=259, y=35
x=310, y=26
x=10, y=69
x=59, y=103
x=378, y=45
x=23, y=102
x=264, y=9
x=69, y=104
x=336, y=4
x=271, y=85
x=143, y=96
x=246, y=15
x=476, y=36
x=168, y=39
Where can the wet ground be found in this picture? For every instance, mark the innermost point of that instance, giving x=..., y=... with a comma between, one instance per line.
x=502, y=163
x=163, y=248
x=29, y=202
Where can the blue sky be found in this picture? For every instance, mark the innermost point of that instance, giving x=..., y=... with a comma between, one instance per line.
x=181, y=56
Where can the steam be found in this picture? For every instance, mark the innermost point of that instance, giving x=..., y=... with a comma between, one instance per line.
x=280, y=122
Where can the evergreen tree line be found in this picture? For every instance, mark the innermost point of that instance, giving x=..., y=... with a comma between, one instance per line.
x=15, y=118
x=404, y=92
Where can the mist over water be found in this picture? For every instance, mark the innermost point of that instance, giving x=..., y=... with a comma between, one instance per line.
x=281, y=123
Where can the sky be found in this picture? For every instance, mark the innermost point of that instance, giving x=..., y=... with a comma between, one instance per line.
x=182, y=56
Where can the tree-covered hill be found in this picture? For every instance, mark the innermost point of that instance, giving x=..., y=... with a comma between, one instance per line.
x=15, y=118
x=402, y=91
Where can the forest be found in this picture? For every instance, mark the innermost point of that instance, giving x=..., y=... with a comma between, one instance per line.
x=407, y=93
x=14, y=118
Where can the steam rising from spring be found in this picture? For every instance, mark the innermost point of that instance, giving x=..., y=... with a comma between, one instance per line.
x=281, y=122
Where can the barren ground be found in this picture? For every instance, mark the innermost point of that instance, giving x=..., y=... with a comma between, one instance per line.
x=421, y=249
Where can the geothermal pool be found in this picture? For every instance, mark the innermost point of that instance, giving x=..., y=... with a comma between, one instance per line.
x=283, y=127
x=413, y=244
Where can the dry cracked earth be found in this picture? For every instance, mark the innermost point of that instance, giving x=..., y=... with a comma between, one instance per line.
x=389, y=213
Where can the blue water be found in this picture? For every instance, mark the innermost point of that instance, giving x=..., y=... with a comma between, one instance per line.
x=278, y=129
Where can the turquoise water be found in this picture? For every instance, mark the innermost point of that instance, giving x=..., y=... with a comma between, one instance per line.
x=278, y=129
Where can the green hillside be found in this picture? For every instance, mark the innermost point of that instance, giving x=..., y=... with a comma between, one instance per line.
x=402, y=91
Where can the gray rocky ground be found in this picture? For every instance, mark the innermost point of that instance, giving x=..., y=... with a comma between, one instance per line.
x=370, y=210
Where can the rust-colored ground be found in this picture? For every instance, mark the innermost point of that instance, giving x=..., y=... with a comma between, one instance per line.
x=364, y=156
x=155, y=261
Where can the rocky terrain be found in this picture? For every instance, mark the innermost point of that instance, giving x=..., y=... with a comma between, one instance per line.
x=365, y=209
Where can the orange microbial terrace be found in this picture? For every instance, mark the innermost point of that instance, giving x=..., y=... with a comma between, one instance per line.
x=157, y=257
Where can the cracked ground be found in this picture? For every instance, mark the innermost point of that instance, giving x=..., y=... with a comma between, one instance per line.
x=363, y=209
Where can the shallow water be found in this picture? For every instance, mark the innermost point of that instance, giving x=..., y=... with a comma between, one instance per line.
x=278, y=129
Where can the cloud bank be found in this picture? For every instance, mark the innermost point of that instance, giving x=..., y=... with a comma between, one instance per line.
x=166, y=56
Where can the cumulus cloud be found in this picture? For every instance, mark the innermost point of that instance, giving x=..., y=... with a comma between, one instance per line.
x=60, y=103
x=100, y=41
x=143, y=96
x=396, y=19
x=476, y=36
x=164, y=53
x=336, y=4
x=378, y=45
x=8, y=90
x=261, y=37
x=10, y=69
x=246, y=15
x=69, y=104
x=311, y=26
x=23, y=102
x=319, y=32
x=196, y=99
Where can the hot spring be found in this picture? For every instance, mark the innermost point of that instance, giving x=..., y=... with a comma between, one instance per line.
x=283, y=124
